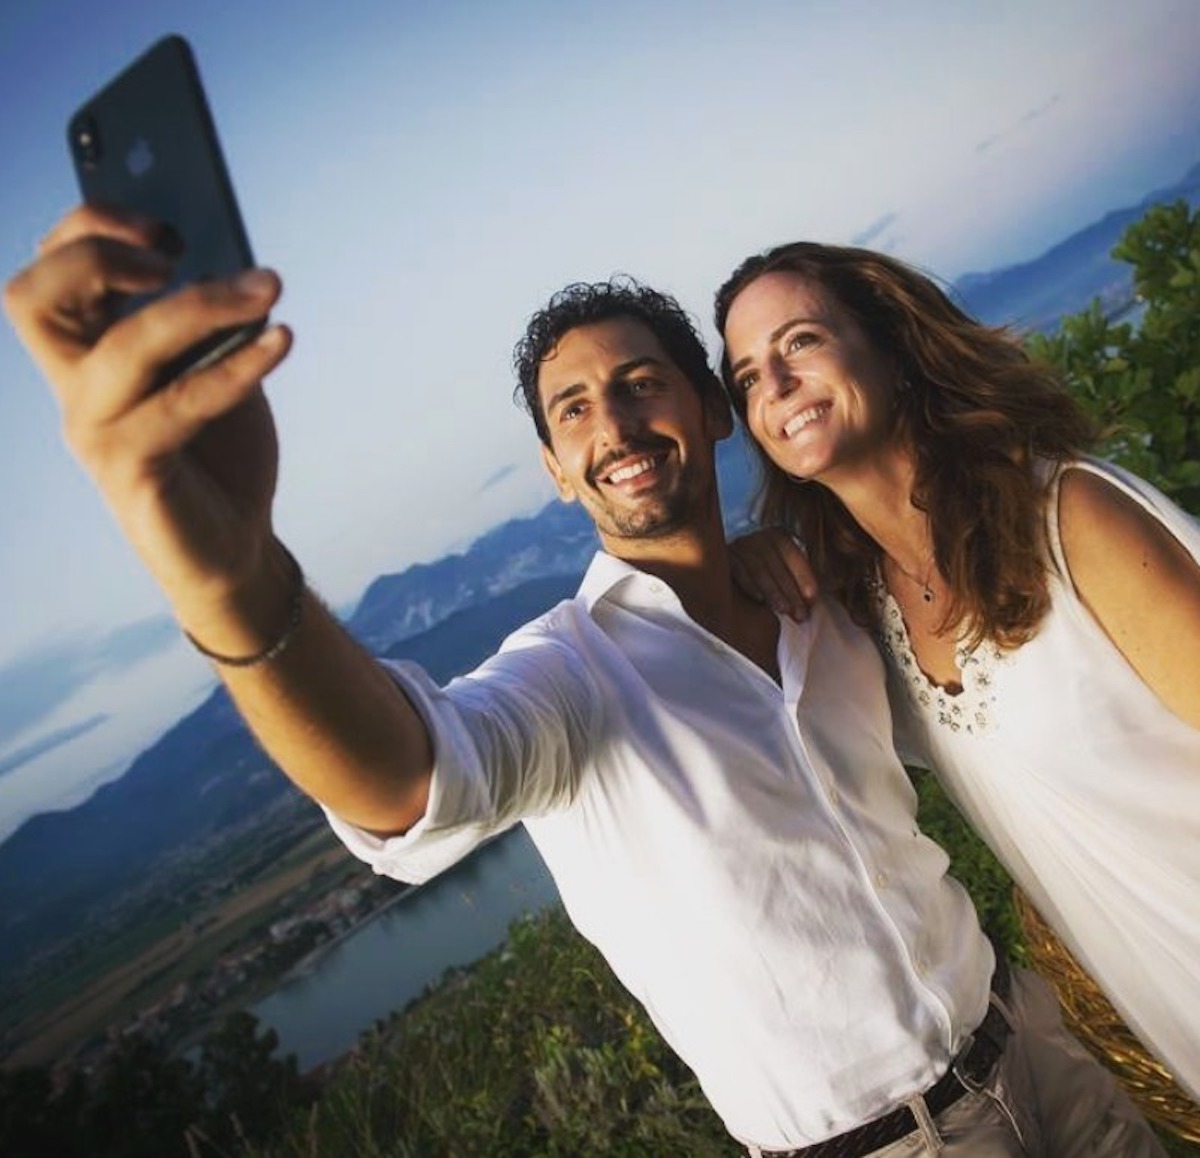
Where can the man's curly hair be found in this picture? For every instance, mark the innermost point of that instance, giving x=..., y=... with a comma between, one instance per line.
x=585, y=303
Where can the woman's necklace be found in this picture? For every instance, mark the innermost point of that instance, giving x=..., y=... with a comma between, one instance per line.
x=926, y=590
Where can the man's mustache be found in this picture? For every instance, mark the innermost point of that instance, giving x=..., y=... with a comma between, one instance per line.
x=645, y=446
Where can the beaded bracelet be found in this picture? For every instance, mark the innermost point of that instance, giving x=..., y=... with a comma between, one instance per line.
x=295, y=607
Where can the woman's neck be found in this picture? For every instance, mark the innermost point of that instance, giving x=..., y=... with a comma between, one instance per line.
x=878, y=495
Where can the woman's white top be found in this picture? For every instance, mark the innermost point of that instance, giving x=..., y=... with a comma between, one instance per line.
x=1084, y=785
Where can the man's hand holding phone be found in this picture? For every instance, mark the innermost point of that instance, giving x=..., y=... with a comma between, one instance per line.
x=156, y=354
x=146, y=314
x=188, y=469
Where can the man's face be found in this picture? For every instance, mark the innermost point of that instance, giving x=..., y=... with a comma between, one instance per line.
x=630, y=437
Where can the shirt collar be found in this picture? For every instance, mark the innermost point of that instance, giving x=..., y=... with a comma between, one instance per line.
x=605, y=573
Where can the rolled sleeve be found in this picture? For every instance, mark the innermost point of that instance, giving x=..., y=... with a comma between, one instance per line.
x=506, y=741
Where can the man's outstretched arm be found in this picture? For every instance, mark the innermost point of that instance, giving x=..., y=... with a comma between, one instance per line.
x=188, y=471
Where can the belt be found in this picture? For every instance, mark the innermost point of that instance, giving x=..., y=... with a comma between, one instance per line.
x=968, y=1071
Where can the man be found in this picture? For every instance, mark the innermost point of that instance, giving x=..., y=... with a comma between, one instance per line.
x=713, y=789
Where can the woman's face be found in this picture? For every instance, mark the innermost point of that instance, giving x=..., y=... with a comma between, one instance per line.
x=818, y=395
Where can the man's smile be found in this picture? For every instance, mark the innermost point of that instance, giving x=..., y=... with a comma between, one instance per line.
x=629, y=465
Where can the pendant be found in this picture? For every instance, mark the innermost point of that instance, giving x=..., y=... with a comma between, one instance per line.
x=927, y=595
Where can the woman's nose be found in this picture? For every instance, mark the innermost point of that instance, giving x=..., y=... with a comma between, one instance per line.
x=780, y=380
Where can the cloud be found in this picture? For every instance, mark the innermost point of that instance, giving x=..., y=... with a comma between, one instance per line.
x=38, y=681
x=498, y=476
x=1023, y=122
x=48, y=743
x=873, y=230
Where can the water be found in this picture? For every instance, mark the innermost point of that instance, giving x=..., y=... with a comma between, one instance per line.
x=454, y=920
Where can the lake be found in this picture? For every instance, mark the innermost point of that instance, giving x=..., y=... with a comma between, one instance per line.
x=452, y=921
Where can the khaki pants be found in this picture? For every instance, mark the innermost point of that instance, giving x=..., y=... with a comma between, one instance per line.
x=1048, y=1098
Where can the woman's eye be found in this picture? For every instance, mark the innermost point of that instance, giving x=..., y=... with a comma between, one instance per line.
x=800, y=340
x=745, y=382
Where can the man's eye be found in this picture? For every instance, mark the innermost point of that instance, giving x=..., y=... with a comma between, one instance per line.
x=570, y=412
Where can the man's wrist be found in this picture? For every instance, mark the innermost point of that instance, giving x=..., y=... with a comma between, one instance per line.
x=256, y=621
x=295, y=611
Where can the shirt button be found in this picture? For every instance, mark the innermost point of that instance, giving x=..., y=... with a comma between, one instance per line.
x=881, y=879
x=656, y=587
x=835, y=797
x=921, y=966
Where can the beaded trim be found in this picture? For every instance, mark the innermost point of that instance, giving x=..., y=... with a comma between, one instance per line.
x=971, y=710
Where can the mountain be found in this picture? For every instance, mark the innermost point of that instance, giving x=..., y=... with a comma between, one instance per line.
x=1037, y=294
x=558, y=540
x=204, y=781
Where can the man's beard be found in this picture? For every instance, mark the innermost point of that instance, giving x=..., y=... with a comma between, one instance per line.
x=653, y=516
x=651, y=520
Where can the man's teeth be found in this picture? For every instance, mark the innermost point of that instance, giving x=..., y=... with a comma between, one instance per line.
x=799, y=421
x=625, y=473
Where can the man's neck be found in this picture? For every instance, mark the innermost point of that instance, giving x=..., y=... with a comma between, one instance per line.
x=694, y=563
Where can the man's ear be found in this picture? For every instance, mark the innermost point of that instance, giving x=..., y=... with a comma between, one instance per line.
x=566, y=492
x=718, y=415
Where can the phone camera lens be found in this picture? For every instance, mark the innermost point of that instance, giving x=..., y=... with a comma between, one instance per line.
x=85, y=139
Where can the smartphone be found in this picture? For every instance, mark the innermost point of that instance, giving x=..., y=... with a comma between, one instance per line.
x=147, y=142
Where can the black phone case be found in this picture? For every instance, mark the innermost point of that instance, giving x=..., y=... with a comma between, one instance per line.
x=147, y=142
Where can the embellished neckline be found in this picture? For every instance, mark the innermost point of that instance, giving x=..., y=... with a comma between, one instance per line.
x=970, y=710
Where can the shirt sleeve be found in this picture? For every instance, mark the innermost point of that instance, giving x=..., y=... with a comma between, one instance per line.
x=508, y=743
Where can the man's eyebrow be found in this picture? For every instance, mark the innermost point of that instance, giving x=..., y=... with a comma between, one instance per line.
x=776, y=334
x=563, y=395
x=619, y=372
x=627, y=368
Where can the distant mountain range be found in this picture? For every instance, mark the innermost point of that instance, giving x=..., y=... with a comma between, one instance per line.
x=207, y=777
x=1068, y=277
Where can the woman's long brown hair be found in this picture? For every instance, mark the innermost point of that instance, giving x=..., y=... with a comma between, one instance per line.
x=977, y=413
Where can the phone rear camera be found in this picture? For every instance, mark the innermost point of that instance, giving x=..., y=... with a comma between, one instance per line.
x=85, y=139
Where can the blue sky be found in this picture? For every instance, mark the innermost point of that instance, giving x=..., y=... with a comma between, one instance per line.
x=424, y=175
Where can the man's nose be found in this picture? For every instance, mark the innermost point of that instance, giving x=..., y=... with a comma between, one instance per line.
x=616, y=420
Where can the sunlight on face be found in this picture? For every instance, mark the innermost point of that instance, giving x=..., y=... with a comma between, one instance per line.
x=818, y=396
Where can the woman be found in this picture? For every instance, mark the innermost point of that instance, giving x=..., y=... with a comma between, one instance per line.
x=1039, y=611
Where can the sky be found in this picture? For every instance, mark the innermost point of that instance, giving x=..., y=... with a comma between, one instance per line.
x=425, y=175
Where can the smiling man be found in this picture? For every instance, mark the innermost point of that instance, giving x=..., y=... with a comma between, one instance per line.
x=713, y=788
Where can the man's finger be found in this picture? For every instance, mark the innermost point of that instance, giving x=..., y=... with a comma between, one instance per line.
x=103, y=221
x=178, y=412
x=130, y=355
x=61, y=303
x=173, y=416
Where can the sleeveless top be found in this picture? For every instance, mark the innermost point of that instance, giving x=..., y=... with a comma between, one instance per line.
x=1083, y=783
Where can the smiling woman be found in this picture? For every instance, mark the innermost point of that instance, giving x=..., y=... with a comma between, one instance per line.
x=1019, y=591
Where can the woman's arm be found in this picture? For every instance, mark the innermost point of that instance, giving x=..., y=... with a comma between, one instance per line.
x=1140, y=584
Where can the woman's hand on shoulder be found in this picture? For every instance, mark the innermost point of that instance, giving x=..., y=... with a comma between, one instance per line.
x=771, y=567
x=1139, y=583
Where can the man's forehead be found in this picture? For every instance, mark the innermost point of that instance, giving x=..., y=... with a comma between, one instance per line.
x=595, y=349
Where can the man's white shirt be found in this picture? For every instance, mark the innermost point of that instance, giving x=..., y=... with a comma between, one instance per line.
x=744, y=853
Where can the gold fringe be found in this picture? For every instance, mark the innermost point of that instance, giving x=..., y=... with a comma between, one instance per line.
x=1091, y=1017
